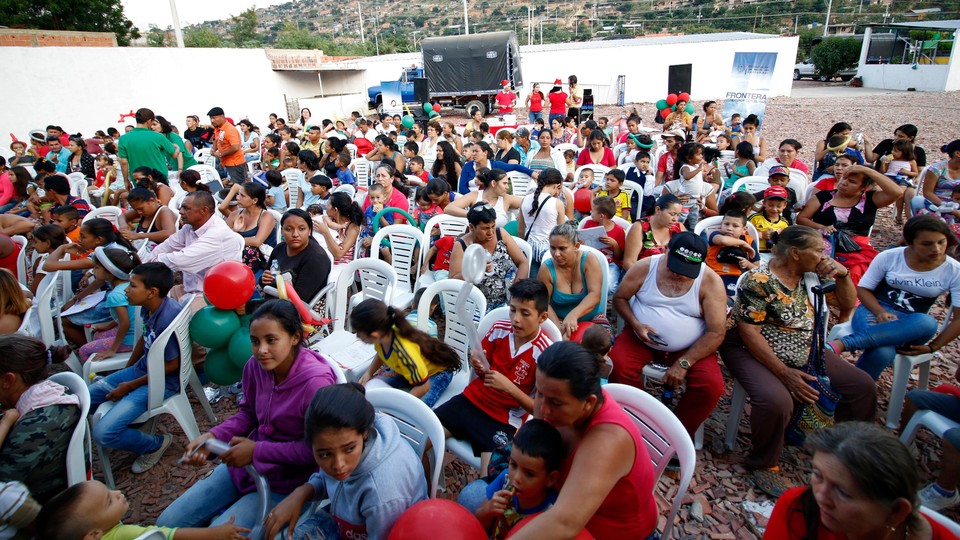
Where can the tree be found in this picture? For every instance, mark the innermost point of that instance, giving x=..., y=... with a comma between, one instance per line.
x=156, y=37
x=834, y=54
x=77, y=15
x=201, y=37
x=245, y=29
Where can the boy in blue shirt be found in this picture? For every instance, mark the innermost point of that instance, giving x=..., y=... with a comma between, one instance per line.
x=128, y=388
x=344, y=174
x=527, y=486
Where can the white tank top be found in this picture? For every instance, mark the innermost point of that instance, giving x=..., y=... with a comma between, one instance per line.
x=678, y=320
x=502, y=217
x=545, y=222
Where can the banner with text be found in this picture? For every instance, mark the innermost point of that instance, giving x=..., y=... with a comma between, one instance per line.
x=749, y=84
x=392, y=100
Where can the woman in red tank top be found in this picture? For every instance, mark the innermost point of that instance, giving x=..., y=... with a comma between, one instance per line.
x=534, y=103
x=607, y=480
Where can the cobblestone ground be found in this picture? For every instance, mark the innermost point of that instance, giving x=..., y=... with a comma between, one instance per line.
x=721, y=484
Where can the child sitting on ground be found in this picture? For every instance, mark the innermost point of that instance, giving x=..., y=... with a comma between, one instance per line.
x=730, y=252
x=149, y=285
x=527, y=487
x=90, y=510
x=769, y=219
x=276, y=196
x=613, y=180
x=410, y=359
x=487, y=413
x=344, y=174
x=614, y=239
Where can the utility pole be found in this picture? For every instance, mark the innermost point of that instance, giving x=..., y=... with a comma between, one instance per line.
x=755, y=14
x=466, y=19
x=529, y=25
x=699, y=14
x=826, y=23
x=796, y=24
x=541, y=30
x=414, y=35
x=360, y=13
x=177, y=31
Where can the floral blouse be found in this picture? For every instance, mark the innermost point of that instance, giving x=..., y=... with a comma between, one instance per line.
x=650, y=246
x=785, y=315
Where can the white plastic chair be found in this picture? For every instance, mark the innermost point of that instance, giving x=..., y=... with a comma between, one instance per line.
x=605, y=287
x=527, y=250
x=618, y=220
x=178, y=404
x=361, y=168
x=712, y=224
x=632, y=187
x=449, y=226
x=109, y=213
x=598, y=172
x=665, y=437
x=935, y=422
x=751, y=184
x=117, y=361
x=207, y=173
x=618, y=150
x=563, y=147
x=459, y=447
x=650, y=371
x=404, y=242
x=418, y=425
x=277, y=216
x=79, y=456
x=49, y=299
x=346, y=188
x=21, y=258
x=521, y=183
x=78, y=188
x=377, y=280
x=352, y=148
x=947, y=523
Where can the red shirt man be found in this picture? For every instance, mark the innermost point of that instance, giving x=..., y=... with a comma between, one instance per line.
x=506, y=99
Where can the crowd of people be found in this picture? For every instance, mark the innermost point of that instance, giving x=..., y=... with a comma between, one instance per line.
x=641, y=247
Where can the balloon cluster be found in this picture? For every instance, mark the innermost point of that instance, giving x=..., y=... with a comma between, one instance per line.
x=228, y=286
x=669, y=105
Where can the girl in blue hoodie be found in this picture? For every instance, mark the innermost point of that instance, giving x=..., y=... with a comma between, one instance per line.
x=278, y=383
x=368, y=471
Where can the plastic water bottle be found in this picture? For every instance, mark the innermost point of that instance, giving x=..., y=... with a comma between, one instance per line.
x=275, y=268
x=667, y=395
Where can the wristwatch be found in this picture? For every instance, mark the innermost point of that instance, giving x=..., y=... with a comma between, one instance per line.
x=684, y=363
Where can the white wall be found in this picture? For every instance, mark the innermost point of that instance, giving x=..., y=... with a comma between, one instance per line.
x=926, y=78
x=953, y=76
x=86, y=88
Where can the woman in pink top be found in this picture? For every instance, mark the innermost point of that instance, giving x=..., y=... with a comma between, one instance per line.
x=606, y=483
x=395, y=192
x=596, y=152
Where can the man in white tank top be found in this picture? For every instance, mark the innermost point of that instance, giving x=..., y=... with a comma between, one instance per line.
x=674, y=309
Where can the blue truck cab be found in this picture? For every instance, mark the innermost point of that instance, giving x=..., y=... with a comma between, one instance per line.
x=375, y=93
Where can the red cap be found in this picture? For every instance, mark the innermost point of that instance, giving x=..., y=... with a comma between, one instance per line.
x=558, y=82
x=504, y=82
x=775, y=192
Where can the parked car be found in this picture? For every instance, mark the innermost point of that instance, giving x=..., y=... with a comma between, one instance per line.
x=808, y=70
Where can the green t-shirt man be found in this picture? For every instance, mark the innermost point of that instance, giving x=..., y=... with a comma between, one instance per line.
x=143, y=147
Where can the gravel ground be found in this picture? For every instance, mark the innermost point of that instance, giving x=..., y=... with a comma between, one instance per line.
x=715, y=503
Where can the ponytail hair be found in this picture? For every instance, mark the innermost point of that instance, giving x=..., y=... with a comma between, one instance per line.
x=101, y=228
x=373, y=315
x=548, y=177
x=191, y=178
x=347, y=207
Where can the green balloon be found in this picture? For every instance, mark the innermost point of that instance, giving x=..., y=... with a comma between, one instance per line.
x=689, y=108
x=239, y=347
x=434, y=114
x=219, y=369
x=407, y=121
x=427, y=107
x=212, y=327
x=662, y=104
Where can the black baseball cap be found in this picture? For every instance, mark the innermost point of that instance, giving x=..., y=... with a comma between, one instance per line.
x=686, y=253
x=216, y=111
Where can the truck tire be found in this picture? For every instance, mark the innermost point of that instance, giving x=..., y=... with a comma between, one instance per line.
x=379, y=107
x=796, y=75
x=846, y=78
x=824, y=78
x=476, y=104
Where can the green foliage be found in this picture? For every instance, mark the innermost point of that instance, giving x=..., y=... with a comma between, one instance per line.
x=77, y=15
x=157, y=38
x=806, y=43
x=834, y=54
x=202, y=38
x=245, y=30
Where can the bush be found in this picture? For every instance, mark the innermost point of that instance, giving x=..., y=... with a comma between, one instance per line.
x=834, y=54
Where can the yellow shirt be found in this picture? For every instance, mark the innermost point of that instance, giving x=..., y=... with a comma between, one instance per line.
x=131, y=532
x=623, y=203
x=760, y=221
x=406, y=359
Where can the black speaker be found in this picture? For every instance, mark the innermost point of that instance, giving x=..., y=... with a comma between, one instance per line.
x=421, y=93
x=679, y=78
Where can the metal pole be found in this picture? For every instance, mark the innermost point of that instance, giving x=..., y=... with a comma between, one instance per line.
x=177, y=31
x=826, y=23
x=796, y=24
x=466, y=19
x=360, y=13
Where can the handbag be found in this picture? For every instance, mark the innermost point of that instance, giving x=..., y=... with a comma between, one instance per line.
x=844, y=243
x=809, y=417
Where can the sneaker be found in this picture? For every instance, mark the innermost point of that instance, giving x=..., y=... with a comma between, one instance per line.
x=146, y=462
x=931, y=497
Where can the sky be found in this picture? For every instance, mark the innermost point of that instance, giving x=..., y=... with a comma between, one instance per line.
x=143, y=13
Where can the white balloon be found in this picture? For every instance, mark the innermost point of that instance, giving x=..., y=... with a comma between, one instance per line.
x=474, y=263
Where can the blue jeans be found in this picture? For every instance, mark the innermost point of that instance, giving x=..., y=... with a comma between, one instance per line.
x=113, y=429
x=534, y=116
x=9, y=206
x=438, y=383
x=613, y=280
x=200, y=505
x=473, y=495
x=319, y=526
x=879, y=342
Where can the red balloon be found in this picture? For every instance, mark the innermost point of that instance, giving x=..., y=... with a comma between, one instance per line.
x=228, y=285
x=685, y=97
x=582, y=200
x=436, y=107
x=581, y=330
x=584, y=534
x=422, y=519
x=665, y=113
x=672, y=99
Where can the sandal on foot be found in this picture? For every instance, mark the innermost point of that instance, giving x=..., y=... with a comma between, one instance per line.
x=770, y=481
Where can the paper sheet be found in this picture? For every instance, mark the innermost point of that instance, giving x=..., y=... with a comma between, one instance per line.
x=354, y=355
x=85, y=304
x=591, y=237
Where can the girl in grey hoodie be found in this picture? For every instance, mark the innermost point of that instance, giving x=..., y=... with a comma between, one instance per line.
x=368, y=471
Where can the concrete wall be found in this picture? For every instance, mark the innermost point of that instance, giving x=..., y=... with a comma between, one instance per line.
x=926, y=78
x=13, y=37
